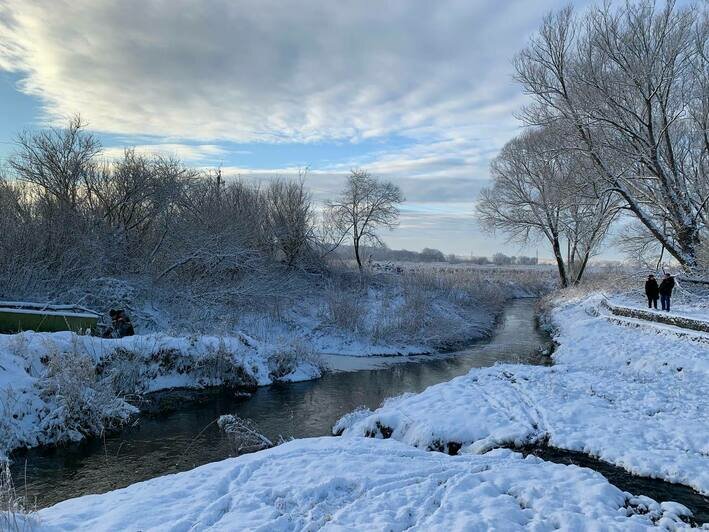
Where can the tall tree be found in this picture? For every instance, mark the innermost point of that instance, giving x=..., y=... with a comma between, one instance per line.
x=632, y=84
x=542, y=190
x=364, y=206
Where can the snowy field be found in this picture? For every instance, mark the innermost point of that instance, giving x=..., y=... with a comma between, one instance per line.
x=636, y=397
x=366, y=484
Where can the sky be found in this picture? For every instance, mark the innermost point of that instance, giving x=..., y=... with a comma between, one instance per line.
x=417, y=92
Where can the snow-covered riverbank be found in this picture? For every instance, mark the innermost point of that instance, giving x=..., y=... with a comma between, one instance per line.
x=60, y=387
x=357, y=484
x=632, y=396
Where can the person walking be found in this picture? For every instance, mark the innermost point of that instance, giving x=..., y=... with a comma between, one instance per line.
x=652, y=291
x=666, y=286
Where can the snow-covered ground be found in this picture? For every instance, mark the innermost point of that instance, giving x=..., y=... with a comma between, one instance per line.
x=57, y=387
x=365, y=484
x=637, y=397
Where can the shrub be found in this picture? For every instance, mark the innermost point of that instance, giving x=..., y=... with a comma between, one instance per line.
x=79, y=403
x=124, y=370
x=243, y=433
x=15, y=515
x=344, y=309
x=217, y=367
x=288, y=357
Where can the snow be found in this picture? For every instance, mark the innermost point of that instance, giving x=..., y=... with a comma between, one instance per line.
x=17, y=305
x=67, y=313
x=33, y=407
x=366, y=484
x=635, y=397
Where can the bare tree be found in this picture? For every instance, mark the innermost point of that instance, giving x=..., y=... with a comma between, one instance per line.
x=540, y=190
x=291, y=218
x=69, y=218
x=134, y=199
x=364, y=206
x=57, y=160
x=632, y=83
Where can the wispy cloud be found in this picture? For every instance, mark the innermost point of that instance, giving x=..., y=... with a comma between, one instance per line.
x=193, y=153
x=260, y=70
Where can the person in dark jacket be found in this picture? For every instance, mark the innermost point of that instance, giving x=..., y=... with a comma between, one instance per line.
x=120, y=325
x=666, y=286
x=652, y=291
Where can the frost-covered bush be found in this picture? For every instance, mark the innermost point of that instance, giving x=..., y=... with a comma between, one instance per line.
x=124, y=369
x=243, y=434
x=15, y=513
x=288, y=356
x=218, y=367
x=10, y=417
x=345, y=308
x=79, y=404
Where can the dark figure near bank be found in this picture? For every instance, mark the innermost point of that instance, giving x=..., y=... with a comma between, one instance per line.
x=666, y=286
x=652, y=291
x=120, y=325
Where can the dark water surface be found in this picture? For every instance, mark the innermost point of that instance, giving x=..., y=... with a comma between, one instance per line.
x=187, y=436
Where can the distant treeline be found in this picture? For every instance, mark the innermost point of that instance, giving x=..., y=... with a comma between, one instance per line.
x=383, y=253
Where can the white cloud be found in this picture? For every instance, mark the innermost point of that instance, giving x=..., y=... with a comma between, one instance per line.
x=195, y=153
x=262, y=70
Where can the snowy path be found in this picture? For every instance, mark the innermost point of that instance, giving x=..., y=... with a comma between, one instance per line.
x=634, y=398
x=365, y=484
x=695, y=320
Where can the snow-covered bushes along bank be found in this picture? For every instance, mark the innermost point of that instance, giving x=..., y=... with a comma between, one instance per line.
x=421, y=308
x=416, y=310
x=634, y=397
x=355, y=484
x=60, y=387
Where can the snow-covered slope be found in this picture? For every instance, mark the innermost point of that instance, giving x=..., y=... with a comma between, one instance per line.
x=635, y=397
x=57, y=387
x=365, y=484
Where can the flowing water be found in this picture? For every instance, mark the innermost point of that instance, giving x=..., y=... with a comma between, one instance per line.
x=186, y=435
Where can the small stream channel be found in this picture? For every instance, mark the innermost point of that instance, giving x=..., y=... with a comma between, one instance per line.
x=184, y=436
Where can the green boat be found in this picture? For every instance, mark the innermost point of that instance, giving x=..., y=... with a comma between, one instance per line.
x=17, y=316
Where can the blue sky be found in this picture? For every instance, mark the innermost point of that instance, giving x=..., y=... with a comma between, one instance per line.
x=417, y=92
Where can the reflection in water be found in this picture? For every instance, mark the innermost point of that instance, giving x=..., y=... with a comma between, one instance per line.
x=177, y=441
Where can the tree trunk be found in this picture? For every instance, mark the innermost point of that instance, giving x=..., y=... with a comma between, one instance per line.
x=560, y=262
x=582, y=268
x=356, y=250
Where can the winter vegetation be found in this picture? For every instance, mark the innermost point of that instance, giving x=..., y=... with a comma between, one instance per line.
x=364, y=206
x=244, y=435
x=540, y=190
x=618, y=120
